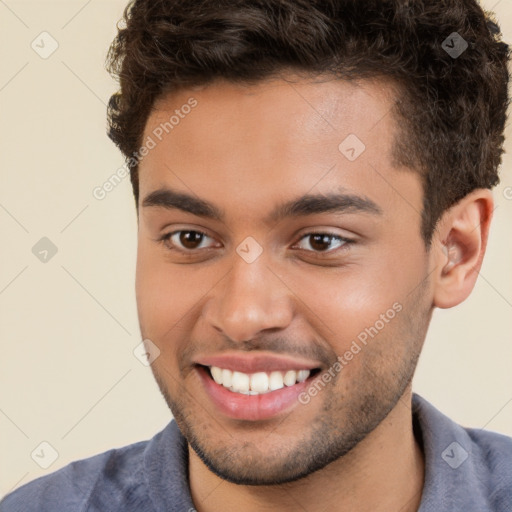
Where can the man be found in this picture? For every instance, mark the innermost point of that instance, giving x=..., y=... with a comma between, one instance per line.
x=312, y=179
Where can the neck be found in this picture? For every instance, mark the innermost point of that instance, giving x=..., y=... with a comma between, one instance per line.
x=383, y=473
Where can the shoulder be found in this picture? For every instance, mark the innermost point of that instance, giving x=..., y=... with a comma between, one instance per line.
x=495, y=448
x=465, y=467
x=146, y=476
x=110, y=478
x=492, y=454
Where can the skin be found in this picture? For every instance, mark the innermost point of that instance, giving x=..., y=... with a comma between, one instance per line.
x=247, y=150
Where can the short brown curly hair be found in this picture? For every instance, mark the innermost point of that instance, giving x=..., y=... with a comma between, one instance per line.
x=452, y=109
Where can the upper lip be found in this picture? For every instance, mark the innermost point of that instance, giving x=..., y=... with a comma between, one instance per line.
x=253, y=363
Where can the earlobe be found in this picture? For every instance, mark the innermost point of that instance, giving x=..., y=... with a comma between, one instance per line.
x=459, y=247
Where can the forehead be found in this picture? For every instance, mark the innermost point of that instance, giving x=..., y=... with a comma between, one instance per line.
x=282, y=111
x=249, y=146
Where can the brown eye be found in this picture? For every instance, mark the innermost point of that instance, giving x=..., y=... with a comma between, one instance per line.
x=190, y=239
x=187, y=240
x=322, y=242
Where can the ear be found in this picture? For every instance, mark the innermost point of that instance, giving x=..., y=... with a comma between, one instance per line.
x=459, y=246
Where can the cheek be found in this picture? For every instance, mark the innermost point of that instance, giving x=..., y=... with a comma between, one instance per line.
x=357, y=309
x=162, y=294
x=162, y=303
x=169, y=296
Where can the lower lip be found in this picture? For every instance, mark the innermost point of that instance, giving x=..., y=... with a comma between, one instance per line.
x=251, y=407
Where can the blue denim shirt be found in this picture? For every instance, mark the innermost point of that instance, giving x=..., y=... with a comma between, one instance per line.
x=467, y=470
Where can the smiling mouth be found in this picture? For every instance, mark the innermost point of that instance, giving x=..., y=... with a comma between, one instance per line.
x=259, y=383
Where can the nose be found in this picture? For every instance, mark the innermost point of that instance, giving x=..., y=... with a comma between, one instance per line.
x=250, y=299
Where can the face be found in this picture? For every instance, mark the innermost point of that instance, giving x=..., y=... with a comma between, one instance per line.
x=281, y=272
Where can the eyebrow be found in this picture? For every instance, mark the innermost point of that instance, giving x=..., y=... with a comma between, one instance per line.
x=309, y=204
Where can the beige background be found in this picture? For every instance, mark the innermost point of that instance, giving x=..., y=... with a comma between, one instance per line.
x=69, y=326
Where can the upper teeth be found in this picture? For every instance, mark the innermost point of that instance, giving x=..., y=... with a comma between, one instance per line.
x=256, y=383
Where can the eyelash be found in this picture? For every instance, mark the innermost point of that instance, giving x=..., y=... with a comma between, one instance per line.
x=164, y=239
